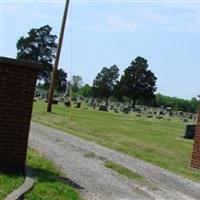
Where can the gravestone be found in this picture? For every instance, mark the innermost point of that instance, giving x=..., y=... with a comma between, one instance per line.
x=159, y=117
x=194, y=118
x=190, y=115
x=116, y=110
x=149, y=116
x=55, y=101
x=17, y=86
x=185, y=120
x=78, y=105
x=103, y=108
x=67, y=103
x=169, y=111
x=190, y=131
x=161, y=111
x=111, y=107
x=126, y=110
x=93, y=103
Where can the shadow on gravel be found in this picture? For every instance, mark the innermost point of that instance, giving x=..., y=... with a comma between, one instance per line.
x=43, y=175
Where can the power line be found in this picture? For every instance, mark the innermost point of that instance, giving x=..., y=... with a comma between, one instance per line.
x=20, y=11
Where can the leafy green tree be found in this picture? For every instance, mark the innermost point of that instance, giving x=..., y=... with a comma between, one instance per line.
x=105, y=81
x=60, y=85
x=61, y=81
x=118, y=92
x=86, y=91
x=76, y=83
x=39, y=46
x=138, y=82
x=194, y=104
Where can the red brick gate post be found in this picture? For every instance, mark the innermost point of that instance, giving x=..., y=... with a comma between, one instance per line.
x=196, y=147
x=17, y=86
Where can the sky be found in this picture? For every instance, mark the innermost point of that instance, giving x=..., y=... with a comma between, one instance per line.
x=102, y=33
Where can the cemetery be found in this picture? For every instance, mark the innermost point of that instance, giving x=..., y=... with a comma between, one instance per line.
x=116, y=136
x=161, y=135
x=148, y=133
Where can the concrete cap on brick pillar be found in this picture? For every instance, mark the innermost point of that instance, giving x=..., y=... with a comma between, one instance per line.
x=17, y=85
x=21, y=63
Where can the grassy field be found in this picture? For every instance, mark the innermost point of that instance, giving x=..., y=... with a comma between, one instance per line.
x=49, y=181
x=9, y=182
x=49, y=184
x=157, y=141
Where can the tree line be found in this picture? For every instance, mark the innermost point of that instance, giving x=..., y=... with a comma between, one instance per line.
x=136, y=85
x=175, y=103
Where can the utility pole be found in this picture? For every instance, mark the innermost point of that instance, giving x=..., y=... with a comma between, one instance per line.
x=55, y=67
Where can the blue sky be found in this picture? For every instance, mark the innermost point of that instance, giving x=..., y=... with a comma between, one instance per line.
x=100, y=34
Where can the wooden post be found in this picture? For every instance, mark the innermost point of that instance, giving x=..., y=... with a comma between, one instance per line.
x=53, y=78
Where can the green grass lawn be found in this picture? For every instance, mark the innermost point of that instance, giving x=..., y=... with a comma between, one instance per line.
x=157, y=141
x=49, y=183
x=9, y=182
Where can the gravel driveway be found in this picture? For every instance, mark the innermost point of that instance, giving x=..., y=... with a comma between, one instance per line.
x=73, y=156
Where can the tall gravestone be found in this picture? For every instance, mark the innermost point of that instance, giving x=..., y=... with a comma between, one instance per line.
x=196, y=147
x=17, y=86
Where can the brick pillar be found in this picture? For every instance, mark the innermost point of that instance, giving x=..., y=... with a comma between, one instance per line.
x=17, y=86
x=196, y=147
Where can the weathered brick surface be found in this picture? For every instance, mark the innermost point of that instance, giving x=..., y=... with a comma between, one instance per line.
x=17, y=85
x=196, y=147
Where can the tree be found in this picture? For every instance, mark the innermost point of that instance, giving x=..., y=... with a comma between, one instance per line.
x=105, y=81
x=61, y=81
x=39, y=46
x=76, y=83
x=194, y=104
x=138, y=82
x=86, y=91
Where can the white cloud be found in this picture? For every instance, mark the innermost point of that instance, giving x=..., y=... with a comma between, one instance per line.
x=183, y=18
x=168, y=17
x=118, y=23
x=112, y=23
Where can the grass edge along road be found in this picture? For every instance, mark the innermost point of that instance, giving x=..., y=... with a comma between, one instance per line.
x=9, y=182
x=123, y=171
x=48, y=181
x=159, y=142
